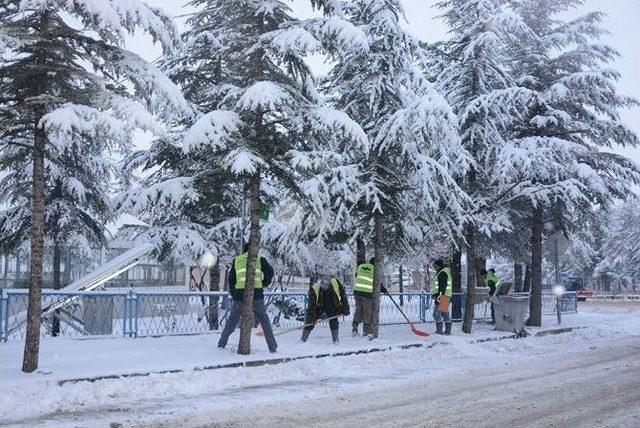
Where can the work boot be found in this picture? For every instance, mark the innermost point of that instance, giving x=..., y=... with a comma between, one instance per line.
x=366, y=329
x=305, y=335
x=334, y=336
x=447, y=328
x=438, y=328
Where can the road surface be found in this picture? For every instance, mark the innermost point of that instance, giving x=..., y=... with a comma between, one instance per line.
x=600, y=389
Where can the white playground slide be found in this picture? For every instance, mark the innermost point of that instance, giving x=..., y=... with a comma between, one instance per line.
x=91, y=281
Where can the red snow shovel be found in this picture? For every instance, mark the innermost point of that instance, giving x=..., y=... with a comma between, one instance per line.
x=415, y=330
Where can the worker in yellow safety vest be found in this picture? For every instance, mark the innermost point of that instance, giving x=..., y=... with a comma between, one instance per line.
x=362, y=292
x=236, y=281
x=327, y=300
x=441, y=292
x=492, y=281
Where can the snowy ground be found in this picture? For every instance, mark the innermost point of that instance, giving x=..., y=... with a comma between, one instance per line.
x=588, y=377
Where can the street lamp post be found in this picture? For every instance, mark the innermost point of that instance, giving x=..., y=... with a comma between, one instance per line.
x=558, y=290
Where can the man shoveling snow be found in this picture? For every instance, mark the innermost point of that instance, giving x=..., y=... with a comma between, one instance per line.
x=327, y=300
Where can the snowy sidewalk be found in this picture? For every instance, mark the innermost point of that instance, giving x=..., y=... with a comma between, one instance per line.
x=66, y=358
x=32, y=396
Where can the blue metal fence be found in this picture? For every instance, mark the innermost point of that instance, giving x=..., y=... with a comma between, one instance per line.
x=134, y=314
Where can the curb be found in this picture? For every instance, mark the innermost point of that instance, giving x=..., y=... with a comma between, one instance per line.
x=540, y=333
x=250, y=363
x=273, y=361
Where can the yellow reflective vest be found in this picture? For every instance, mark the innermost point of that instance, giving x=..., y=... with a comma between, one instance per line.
x=364, y=278
x=435, y=289
x=240, y=266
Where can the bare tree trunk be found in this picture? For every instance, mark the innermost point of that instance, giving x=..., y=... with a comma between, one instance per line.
x=66, y=277
x=34, y=308
x=400, y=285
x=535, y=302
x=378, y=229
x=18, y=268
x=361, y=251
x=526, y=286
x=244, y=347
x=5, y=281
x=55, y=327
x=214, y=285
x=517, y=277
x=467, y=323
x=456, y=272
x=481, y=263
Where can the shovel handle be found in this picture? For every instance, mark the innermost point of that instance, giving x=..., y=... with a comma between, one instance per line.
x=394, y=302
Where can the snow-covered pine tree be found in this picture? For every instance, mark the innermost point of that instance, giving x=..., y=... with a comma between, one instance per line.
x=77, y=205
x=406, y=187
x=514, y=243
x=477, y=85
x=68, y=82
x=559, y=155
x=583, y=252
x=620, y=252
x=260, y=118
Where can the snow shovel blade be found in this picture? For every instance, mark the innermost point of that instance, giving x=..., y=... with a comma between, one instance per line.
x=415, y=330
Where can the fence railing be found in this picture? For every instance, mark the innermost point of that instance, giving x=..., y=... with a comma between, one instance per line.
x=134, y=314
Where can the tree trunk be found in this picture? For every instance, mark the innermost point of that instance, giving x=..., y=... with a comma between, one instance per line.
x=34, y=308
x=244, y=347
x=378, y=239
x=456, y=272
x=18, y=269
x=535, y=302
x=400, y=285
x=214, y=285
x=471, y=280
x=66, y=277
x=361, y=251
x=55, y=327
x=526, y=285
x=5, y=281
x=517, y=277
x=481, y=263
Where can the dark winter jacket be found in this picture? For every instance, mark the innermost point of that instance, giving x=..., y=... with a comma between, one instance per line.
x=238, y=295
x=442, y=284
x=328, y=304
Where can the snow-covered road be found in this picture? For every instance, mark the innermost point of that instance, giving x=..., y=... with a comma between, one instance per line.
x=599, y=388
x=588, y=377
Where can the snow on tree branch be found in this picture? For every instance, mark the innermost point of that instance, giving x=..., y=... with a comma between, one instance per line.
x=212, y=130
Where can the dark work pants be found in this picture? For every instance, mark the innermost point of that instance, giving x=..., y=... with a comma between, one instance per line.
x=363, y=314
x=259, y=312
x=492, y=291
x=333, y=323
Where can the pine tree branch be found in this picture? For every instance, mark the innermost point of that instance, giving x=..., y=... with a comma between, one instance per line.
x=14, y=143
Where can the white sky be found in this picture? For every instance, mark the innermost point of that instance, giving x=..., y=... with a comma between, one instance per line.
x=622, y=21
